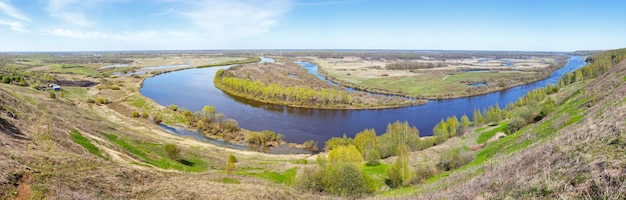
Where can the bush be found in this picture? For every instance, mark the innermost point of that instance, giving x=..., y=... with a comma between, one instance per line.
x=135, y=114
x=515, y=124
x=311, y=145
x=423, y=172
x=90, y=100
x=144, y=115
x=372, y=158
x=173, y=107
x=157, y=119
x=346, y=179
x=454, y=158
x=310, y=179
x=230, y=164
x=172, y=151
x=52, y=95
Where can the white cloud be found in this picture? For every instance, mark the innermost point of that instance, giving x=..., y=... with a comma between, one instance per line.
x=70, y=11
x=234, y=19
x=10, y=11
x=15, y=25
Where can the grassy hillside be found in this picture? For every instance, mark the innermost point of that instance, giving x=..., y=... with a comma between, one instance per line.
x=577, y=152
x=54, y=148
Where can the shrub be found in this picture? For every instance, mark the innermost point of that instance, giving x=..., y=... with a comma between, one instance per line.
x=135, y=114
x=157, y=119
x=230, y=164
x=346, y=179
x=310, y=179
x=372, y=158
x=144, y=115
x=52, y=95
x=173, y=107
x=115, y=87
x=311, y=145
x=423, y=172
x=90, y=100
x=515, y=124
x=172, y=151
x=454, y=158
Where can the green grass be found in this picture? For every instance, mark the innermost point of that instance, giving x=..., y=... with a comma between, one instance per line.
x=432, y=85
x=377, y=174
x=227, y=180
x=286, y=178
x=81, y=140
x=72, y=69
x=155, y=155
x=483, y=137
x=75, y=92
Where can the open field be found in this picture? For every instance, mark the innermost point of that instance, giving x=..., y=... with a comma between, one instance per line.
x=433, y=77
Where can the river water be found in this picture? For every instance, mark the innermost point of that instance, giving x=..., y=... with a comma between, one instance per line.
x=193, y=88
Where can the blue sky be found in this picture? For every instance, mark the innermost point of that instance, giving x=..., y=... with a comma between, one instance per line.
x=102, y=25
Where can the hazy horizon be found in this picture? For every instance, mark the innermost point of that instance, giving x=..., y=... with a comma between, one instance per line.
x=130, y=25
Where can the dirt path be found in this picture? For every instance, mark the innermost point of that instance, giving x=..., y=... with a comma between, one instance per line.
x=23, y=187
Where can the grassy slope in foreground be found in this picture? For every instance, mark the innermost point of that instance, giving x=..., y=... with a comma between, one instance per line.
x=576, y=152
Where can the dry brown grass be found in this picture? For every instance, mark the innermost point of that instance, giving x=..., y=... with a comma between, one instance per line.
x=582, y=161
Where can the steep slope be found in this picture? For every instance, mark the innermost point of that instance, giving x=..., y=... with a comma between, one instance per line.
x=577, y=152
x=41, y=159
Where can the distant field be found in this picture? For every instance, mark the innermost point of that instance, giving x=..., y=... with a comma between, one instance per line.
x=452, y=79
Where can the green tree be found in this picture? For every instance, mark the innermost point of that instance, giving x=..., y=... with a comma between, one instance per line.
x=453, y=124
x=478, y=117
x=399, y=172
x=372, y=158
x=465, y=121
x=366, y=141
x=345, y=154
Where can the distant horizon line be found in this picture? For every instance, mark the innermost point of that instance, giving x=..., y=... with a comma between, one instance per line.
x=295, y=50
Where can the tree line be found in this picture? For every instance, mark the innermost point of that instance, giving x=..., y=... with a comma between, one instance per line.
x=410, y=65
x=275, y=93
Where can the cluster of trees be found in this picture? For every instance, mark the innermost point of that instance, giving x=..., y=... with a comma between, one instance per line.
x=10, y=79
x=598, y=64
x=264, y=138
x=410, y=65
x=339, y=173
x=210, y=123
x=280, y=94
x=450, y=127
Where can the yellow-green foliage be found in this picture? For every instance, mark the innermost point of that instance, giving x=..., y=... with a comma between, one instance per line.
x=399, y=172
x=366, y=141
x=279, y=94
x=345, y=154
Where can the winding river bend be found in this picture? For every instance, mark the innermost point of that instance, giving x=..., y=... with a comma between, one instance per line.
x=193, y=88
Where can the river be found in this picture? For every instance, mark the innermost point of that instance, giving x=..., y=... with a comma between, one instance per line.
x=193, y=88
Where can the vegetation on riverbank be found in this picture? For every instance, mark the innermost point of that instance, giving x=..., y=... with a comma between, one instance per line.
x=458, y=78
x=289, y=84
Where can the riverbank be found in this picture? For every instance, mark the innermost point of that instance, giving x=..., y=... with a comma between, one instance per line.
x=452, y=79
x=290, y=85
